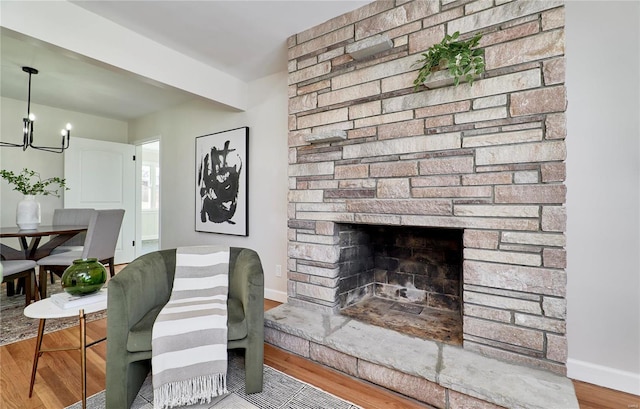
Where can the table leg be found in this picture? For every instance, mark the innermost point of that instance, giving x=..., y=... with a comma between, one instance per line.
x=36, y=355
x=83, y=357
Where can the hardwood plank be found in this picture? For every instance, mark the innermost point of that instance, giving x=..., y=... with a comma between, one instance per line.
x=269, y=304
x=13, y=395
x=58, y=379
x=596, y=397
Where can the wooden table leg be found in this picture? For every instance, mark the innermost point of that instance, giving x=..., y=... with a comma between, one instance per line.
x=36, y=355
x=83, y=356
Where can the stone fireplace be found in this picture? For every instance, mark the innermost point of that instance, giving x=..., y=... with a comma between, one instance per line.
x=485, y=161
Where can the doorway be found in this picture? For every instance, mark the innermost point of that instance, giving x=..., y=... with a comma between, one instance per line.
x=101, y=175
x=148, y=197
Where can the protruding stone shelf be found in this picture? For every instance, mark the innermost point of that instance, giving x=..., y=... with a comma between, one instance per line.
x=369, y=46
x=441, y=79
x=326, y=136
x=428, y=371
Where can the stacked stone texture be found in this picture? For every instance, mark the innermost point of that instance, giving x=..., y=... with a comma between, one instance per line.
x=487, y=158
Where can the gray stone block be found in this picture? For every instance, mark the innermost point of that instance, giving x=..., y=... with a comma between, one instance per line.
x=386, y=347
x=327, y=136
x=369, y=46
x=303, y=323
x=508, y=385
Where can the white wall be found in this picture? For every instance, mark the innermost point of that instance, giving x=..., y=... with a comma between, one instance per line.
x=49, y=122
x=603, y=189
x=178, y=127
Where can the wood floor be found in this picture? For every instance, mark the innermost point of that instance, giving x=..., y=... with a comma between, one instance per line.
x=58, y=379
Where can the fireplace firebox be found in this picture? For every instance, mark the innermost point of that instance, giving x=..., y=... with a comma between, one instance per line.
x=404, y=278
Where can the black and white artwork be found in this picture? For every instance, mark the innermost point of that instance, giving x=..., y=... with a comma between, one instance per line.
x=222, y=182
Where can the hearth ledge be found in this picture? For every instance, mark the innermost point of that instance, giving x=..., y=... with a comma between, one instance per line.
x=453, y=368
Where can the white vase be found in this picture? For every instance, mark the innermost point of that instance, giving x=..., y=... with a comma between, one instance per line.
x=28, y=213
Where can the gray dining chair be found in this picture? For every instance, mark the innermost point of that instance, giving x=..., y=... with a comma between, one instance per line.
x=71, y=217
x=15, y=269
x=100, y=243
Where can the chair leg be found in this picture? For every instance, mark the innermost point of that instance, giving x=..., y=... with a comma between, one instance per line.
x=28, y=287
x=20, y=286
x=11, y=288
x=43, y=282
x=253, y=368
x=112, y=267
x=36, y=287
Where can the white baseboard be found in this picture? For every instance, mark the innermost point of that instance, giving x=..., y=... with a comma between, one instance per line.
x=275, y=295
x=604, y=376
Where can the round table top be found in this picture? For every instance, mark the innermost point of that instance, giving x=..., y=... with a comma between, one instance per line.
x=46, y=309
x=40, y=231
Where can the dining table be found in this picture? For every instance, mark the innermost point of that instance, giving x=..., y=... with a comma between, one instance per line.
x=31, y=245
x=30, y=248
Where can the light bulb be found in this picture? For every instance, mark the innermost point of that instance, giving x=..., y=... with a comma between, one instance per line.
x=63, y=132
x=68, y=126
x=32, y=117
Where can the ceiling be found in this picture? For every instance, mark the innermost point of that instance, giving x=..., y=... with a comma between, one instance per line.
x=245, y=39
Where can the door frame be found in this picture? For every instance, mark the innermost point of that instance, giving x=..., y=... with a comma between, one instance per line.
x=138, y=205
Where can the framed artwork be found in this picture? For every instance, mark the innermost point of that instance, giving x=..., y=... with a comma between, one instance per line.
x=222, y=182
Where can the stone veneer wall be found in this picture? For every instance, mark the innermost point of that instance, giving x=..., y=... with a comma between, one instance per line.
x=488, y=159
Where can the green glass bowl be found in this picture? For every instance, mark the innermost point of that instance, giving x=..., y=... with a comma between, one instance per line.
x=84, y=276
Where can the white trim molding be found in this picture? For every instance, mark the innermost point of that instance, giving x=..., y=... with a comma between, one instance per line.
x=275, y=295
x=604, y=376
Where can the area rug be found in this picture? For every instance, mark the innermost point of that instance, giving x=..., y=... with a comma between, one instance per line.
x=14, y=326
x=280, y=391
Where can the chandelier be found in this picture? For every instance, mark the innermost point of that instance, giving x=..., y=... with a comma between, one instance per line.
x=27, y=128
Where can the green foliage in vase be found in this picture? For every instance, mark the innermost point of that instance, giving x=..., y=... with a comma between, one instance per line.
x=462, y=58
x=29, y=182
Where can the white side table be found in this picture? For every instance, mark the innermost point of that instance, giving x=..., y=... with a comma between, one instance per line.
x=46, y=309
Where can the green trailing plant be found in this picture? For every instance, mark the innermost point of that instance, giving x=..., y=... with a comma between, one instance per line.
x=29, y=182
x=461, y=57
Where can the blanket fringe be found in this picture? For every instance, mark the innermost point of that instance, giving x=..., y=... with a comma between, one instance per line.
x=200, y=389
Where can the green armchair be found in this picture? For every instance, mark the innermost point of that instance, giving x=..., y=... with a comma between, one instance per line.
x=137, y=294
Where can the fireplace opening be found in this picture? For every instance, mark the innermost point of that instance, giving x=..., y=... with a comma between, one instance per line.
x=403, y=278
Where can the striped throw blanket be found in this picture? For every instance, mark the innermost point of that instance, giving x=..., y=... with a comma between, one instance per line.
x=189, y=337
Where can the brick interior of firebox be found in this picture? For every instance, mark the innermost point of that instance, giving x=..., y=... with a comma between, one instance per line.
x=403, y=278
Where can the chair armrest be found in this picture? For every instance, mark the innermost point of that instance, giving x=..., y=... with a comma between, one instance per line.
x=142, y=285
x=246, y=283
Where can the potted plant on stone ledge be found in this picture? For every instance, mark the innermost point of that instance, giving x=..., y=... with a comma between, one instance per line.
x=450, y=62
x=30, y=184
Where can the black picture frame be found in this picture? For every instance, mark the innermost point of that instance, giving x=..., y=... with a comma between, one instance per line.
x=222, y=182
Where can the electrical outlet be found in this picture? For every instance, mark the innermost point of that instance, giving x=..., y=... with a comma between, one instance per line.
x=278, y=270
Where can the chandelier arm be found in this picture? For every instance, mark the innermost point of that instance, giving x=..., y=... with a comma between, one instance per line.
x=63, y=145
x=47, y=149
x=9, y=144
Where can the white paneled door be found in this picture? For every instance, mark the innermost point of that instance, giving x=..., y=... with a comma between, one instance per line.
x=101, y=175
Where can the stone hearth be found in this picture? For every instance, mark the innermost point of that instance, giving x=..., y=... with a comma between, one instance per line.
x=440, y=375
